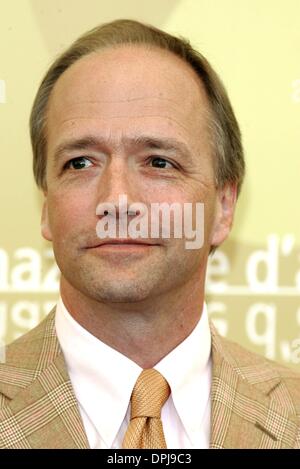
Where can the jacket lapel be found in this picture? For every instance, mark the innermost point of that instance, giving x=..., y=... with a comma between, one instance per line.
x=41, y=410
x=246, y=415
x=44, y=413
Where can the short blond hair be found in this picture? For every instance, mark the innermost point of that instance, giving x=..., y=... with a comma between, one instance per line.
x=226, y=136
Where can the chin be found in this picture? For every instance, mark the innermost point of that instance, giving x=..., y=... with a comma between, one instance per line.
x=119, y=296
x=108, y=290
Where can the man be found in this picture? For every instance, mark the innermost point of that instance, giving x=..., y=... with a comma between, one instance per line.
x=128, y=358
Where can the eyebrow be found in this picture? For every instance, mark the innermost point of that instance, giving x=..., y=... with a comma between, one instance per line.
x=90, y=142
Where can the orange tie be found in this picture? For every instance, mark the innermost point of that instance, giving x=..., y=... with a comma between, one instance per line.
x=149, y=394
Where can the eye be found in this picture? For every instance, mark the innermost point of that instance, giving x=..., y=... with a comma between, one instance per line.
x=158, y=162
x=81, y=162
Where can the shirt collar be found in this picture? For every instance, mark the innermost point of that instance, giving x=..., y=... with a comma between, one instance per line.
x=187, y=368
x=103, y=378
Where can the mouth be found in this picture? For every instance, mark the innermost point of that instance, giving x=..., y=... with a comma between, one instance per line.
x=122, y=241
x=123, y=244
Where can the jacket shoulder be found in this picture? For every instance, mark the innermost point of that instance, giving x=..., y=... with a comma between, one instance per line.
x=28, y=356
x=268, y=376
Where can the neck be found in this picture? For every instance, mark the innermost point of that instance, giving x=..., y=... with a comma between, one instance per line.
x=145, y=331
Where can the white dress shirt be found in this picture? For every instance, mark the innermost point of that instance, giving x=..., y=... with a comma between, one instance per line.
x=103, y=380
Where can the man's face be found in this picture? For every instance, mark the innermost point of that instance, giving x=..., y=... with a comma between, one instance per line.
x=128, y=121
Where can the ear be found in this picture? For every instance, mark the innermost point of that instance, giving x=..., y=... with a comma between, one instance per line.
x=45, y=226
x=225, y=206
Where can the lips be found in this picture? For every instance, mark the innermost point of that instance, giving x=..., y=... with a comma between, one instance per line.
x=123, y=242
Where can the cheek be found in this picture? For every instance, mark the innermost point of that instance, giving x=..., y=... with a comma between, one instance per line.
x=68, y=211
x=168, y=193
x=209, y=216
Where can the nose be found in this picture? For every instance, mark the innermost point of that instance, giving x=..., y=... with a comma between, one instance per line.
x=118, y=187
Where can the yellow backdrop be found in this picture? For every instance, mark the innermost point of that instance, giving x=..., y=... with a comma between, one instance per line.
x=253, y=288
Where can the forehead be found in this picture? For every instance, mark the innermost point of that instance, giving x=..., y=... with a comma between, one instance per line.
x=128, y=83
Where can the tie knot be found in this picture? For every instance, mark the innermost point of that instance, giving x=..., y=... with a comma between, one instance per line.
x=149, y=394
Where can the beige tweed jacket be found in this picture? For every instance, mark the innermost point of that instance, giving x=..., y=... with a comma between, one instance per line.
x=255, y=403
